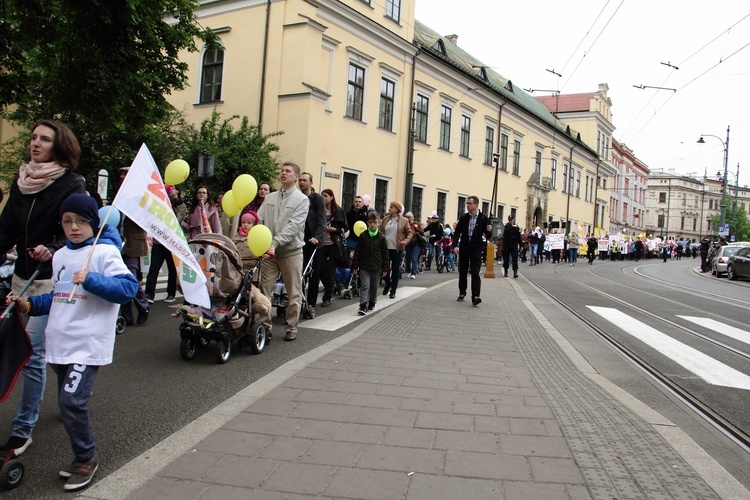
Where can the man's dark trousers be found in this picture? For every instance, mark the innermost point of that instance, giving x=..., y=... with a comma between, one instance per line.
x=510, y=252
x=469, y=260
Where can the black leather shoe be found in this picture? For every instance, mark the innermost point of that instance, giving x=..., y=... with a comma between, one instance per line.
x=386, y=290
x=392, y=295
x=475, y=301
x=142, y=317
x=461, y=297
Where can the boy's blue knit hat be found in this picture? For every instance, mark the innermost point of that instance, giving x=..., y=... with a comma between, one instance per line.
x=83, y=205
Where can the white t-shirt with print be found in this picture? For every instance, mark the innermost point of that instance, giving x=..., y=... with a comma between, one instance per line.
x=82, y=331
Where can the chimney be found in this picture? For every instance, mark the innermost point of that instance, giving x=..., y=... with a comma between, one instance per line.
x=453, y=39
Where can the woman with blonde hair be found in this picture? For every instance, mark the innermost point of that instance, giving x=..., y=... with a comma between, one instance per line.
x=398, y=234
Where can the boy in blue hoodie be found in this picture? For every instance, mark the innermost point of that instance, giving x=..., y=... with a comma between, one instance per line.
x=81, y=332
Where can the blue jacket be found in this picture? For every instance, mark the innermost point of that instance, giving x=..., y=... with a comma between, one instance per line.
x=119, y=289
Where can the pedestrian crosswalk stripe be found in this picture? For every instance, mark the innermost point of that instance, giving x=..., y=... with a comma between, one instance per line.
x=712, y=371
x=711, y=324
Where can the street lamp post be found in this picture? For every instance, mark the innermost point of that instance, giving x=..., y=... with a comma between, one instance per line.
x=723, y=216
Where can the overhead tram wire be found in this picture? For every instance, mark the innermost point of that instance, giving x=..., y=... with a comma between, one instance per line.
x=584, y=37
x=593, y=43
x=722, y=33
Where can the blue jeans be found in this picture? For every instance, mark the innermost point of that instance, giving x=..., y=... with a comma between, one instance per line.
x=412, y=257
x=75, y=384
x=533, y=257
x=33, y=379
x=573, y=253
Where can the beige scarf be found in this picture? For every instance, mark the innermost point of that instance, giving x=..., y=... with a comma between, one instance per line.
x=34, y=177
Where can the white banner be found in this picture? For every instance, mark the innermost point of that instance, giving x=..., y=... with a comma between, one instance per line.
x=144, y=200
x=555, y=240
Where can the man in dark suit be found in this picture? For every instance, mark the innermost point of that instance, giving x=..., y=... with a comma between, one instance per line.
x=469, y=240
x=511, y=241
x=315, y=227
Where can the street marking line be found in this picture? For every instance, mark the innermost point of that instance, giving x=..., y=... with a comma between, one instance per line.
x=702, y=365
x=717, y=326
x=344, y=316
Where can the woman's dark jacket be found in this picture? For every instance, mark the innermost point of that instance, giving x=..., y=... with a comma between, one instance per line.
x=29, y=220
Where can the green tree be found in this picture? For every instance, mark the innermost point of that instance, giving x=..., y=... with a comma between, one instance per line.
x=244, y=150
x=102, y=67
x=736, y=217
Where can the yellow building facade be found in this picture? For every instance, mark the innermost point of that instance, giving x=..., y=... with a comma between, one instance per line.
x=350, y=82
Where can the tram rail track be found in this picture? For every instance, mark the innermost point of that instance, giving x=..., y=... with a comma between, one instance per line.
x=691, y=401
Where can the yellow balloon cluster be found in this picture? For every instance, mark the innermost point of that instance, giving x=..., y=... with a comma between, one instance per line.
x=244, y=189
x=359, y=227
x=259, y=239
x=176, y=172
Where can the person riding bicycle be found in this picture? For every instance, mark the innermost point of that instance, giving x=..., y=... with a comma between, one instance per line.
x=446, y=245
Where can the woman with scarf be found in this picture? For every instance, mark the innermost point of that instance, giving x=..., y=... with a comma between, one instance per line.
x=31, y=223
x=398, y=234
x=203, y=216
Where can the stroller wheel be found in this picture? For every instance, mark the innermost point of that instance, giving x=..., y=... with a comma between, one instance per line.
x=120, y=326
x=257, y=338
x=223, y=349
x=11, y=474
x=187, y=349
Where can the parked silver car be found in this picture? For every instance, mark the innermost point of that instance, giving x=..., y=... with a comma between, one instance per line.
x=739, y=264
x=721, y=259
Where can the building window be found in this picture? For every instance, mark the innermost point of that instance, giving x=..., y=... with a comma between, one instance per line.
x=682, y=223
x=662, y=197
x=553, y=178
x=660, y=220
x=387, y=92
x=500, y=213
x=461, y=208
x=355, y=92
x=442, y=199
x=445, y=128
x=465, y=135
x=565, y=178
x=578, y=184
x=538, y=162
x=684, y=200
x=516, y=157
x=486, y=208
x=422, y=105
x=381, y=195
x=503, y=152
x=571, y=179
x=213, y=68
x=393, y=9
x=489, y=145
x=349, y=182
x=417, y=193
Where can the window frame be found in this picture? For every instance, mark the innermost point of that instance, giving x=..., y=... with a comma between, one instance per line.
x=352, y=103
x=465, y=139
x=215, y=67
x=504, y=142
x=516, y=157
x=421, y=117
x=446, y=116
x=385, y=100
x=553, y=177
x=489, y=145
x=393, y=10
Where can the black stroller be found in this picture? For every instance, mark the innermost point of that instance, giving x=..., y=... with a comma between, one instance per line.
x=230, y=318
x=280, y=299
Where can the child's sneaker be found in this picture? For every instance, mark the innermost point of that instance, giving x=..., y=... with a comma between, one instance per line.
x=81, y=474
x=362, y=309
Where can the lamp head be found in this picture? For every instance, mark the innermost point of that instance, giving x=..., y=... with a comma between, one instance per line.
x=701, y=141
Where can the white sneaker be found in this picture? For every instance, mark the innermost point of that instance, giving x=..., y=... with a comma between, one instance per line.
x=413, y=276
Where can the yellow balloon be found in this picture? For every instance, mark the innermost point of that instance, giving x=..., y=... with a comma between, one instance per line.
x=245, y=188
x=359, y=226
x=259, y=239
x=177, y=172
x=229, y=204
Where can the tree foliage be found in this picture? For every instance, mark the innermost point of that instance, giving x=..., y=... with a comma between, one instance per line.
x=244, y=150
x=103, y=67
x=736, y=217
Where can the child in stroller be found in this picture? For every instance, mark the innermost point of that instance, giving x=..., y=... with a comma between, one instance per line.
x=235, y=301
x=346, y=280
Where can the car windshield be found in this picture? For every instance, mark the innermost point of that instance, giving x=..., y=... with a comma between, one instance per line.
x=730, y=251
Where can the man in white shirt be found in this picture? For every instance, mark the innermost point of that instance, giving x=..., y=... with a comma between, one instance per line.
x=284, y=212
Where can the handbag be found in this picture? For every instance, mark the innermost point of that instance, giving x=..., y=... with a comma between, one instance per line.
x=341, y=252
x=423, y=238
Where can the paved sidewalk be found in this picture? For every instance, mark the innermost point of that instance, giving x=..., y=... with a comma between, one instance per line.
x=428, y=399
